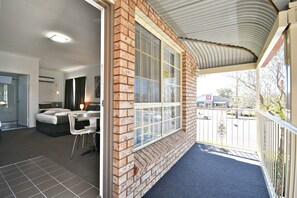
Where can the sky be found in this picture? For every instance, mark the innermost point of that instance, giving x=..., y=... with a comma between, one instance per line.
x=210, y=83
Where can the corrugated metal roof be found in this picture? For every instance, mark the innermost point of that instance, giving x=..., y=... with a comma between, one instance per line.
x=212, y=55
x=243, y=23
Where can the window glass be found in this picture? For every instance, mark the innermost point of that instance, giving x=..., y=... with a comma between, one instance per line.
x=147, y=67
x=155, y=117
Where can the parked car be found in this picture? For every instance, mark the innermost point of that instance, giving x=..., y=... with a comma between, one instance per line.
x=201, y=116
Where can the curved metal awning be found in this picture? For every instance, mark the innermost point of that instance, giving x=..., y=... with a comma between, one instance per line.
x=220, y=33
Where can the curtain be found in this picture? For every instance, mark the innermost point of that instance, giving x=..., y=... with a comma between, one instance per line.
x=80, y=90
x=69, y=94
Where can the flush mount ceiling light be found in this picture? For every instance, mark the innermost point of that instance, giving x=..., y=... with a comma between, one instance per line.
x=58, y=37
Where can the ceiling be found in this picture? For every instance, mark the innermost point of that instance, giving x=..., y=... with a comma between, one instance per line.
x=25, y=23
x=221, y=33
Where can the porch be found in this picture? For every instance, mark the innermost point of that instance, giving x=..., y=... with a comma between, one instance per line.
x=256, y=159
x=150, y=136
x=211, y=171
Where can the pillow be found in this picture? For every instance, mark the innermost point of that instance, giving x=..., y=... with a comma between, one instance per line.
x=57, y=110
x=61, y=114
x=49, y=112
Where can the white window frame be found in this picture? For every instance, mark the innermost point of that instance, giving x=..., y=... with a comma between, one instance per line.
x=147, y=24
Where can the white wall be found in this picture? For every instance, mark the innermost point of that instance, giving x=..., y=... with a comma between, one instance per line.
x=90, y=73
x=12, y=63
x=47, y=91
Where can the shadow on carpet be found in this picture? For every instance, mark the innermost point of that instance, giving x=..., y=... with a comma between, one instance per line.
x=207, y=171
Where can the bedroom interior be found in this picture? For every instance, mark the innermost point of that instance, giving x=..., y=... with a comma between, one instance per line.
x=61, y=69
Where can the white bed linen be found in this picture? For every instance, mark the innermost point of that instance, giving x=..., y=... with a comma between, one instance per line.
x=53, y=119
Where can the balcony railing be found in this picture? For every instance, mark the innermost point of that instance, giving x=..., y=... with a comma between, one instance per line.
x=227, y=127
x=277, y=150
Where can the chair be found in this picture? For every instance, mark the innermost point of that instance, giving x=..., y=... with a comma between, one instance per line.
x=79, y=132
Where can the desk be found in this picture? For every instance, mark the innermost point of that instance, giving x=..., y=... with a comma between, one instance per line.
x=92, y=117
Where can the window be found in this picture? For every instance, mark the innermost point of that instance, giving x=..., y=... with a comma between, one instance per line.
x=147, y=71
x=157, y=88
x=4, y=94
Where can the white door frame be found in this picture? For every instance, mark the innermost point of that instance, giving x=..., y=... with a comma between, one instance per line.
x=106, y=90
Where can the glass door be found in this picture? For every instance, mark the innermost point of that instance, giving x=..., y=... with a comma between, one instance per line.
x=8, y=100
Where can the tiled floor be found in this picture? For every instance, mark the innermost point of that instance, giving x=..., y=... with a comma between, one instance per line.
x=40, y=177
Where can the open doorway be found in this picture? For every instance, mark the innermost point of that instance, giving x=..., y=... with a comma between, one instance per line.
x=14, y=101
x=65, y=42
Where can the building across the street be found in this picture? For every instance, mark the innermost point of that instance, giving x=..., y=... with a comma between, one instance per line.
x=211, y=101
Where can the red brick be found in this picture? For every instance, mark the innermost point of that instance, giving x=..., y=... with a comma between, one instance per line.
x=158, y=158
x=120, y=46
x=121, y=29
x=120, y=129
x=120, y=79
x=121, y=12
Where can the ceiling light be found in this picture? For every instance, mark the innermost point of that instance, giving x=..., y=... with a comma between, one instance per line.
x=57, y=37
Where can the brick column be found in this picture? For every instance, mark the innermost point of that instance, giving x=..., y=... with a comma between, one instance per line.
x=189, y=103
x=124, y=44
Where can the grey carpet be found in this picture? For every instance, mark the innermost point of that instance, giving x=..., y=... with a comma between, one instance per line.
x=22, y=144
x=203, y=172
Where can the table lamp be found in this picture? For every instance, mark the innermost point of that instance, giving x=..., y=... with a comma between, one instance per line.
x=81, y=106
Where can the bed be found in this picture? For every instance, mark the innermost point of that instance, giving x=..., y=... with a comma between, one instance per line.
x=54, y=121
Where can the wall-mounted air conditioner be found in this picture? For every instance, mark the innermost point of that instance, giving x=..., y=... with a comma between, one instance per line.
x=46, y=79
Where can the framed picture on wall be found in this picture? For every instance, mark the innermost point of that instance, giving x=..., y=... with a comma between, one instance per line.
x=97, y=86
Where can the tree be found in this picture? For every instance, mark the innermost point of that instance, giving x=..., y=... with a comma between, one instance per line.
x=225, y=92
x=272, y=85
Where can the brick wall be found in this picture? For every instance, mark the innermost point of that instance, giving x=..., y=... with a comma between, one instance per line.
x=134, y=173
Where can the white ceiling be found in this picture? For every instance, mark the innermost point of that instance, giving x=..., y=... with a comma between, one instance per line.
x=25, y=23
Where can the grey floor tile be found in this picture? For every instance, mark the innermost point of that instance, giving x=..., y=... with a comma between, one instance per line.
x=47, y=176
x=58, y=172
x=3, y=186
x=41, y=179
x=65, y=176
x=22, y=187
x=10, y=172
x=1, y=179
x=39, y=195
x=65, y=194
x=47, y=185
x=72, y=182
x=54, y=190
x=31, y=170
x=27, y=166
x=27, y=193
x=45, y=165
x=36, y=174
x=13, y=176
x=5, y=193
x=5, y=168
x=52, y=168
x=93, y=192
x=38, y=158
x=81, y=187
x=24, y=163
x=18, y=181
x=43, y=161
